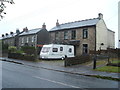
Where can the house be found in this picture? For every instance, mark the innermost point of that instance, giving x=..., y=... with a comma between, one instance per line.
x=11, y=39
x=34, y=37
x=85, y=35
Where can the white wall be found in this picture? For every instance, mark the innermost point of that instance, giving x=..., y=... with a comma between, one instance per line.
x=101, y=35
x=111, y=39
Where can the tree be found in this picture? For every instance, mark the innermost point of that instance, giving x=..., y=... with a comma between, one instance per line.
x=2, y=7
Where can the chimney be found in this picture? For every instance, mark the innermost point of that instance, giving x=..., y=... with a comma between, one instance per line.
x=2, y=35
x=43, y=26
x=17, y=31
x=11, y=33
x=6, y=34
x=57, y=23
x=100, y=16
x=25, y=29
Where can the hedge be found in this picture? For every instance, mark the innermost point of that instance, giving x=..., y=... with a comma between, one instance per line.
x=21, y=56
x=77, y=60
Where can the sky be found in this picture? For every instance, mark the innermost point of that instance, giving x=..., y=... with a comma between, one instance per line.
x=33, y=13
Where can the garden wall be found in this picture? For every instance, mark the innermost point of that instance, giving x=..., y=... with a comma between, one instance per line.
x=77, y=60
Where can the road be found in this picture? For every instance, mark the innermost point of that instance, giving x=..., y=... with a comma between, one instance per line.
x=21, y=76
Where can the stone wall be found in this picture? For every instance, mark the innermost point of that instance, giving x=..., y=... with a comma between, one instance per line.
x=79, y=36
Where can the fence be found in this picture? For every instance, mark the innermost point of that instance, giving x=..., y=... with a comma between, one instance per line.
x=104, y=57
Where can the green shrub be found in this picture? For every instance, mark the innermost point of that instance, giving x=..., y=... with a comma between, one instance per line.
x=12, y=49
x=28, y=50
x=3, y=47
x=19, y=51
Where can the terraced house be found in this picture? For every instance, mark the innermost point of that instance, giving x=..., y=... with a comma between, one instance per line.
x=85, y=35
x=11, y=39
x=34, y=37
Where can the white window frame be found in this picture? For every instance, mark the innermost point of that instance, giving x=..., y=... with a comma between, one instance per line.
x=27, y=39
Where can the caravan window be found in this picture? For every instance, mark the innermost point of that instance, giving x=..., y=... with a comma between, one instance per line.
x=45, y=49
x=61, y=48
x=70, y=50
x=55, y=50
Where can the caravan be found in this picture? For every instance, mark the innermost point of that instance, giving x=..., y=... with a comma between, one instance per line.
x=56, y=51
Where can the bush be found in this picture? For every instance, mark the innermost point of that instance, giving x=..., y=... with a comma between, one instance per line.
x=4, y=47
x=28, y=50
x=12, y=49
x=19, y=51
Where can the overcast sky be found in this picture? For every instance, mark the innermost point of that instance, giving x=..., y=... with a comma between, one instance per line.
x=33, y=13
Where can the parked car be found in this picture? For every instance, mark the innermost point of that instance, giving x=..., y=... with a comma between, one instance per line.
x=56, y=51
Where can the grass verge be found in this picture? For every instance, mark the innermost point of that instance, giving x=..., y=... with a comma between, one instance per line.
x=105, y=77
x=109, y=69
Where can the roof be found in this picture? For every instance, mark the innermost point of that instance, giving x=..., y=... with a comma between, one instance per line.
x=32, y=31
x=111, y=30
x=76, y=24
x=9, y=36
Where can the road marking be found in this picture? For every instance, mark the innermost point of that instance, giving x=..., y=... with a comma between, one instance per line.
x=56, y=82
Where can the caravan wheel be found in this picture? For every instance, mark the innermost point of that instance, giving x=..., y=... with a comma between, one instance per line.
x=63, y=58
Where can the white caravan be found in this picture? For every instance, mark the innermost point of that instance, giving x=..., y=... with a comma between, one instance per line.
x=56, y=51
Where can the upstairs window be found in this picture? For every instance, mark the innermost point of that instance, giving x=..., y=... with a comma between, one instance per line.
x=65, y=35
x=85, y=33
x=73, y=34
x=56, y=35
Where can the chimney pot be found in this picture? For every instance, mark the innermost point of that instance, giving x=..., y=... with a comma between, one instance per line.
x=57, y=23
x=17, y=31
x=6, y=34
x=11, y=33
x=25, y=29
x=100, y=16
x=43, y=26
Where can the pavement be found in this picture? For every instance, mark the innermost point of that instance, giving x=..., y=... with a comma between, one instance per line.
x=59, y=66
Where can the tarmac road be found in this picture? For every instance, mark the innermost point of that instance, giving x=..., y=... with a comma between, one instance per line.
x=21, y=76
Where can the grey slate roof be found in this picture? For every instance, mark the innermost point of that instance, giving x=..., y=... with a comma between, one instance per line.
x=32, y=31
x=9, y=36
x=76, y=24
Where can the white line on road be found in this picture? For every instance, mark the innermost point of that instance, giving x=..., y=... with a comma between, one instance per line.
x=56, y=82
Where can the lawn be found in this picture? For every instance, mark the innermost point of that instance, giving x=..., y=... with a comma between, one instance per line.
x=109, y=69
x=115, y=61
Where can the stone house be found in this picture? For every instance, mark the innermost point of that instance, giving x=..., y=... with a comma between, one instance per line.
x=34, y=37
x=11, y=39
x=85, y=35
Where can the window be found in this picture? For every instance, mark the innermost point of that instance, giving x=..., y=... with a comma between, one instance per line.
x=61, y=48
x=33, y=38
x=70, y=50
x=65, y=35
x=27, y=39
x=85, y=33
x=56, y=36
x=73, y=34
x=22, y=40
x=85, y=48
x=45, y=49
x=55, y=50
